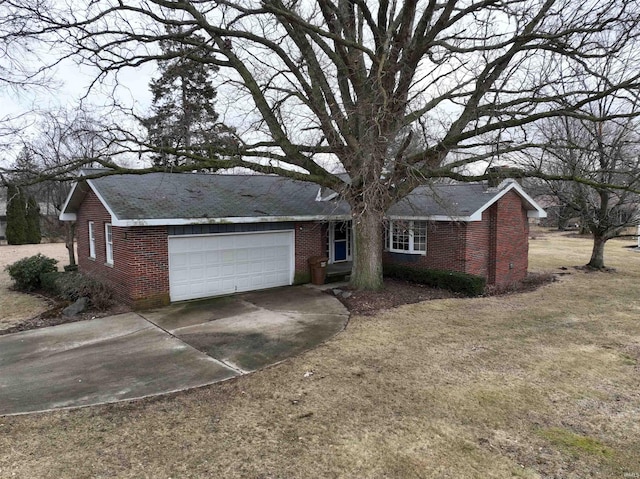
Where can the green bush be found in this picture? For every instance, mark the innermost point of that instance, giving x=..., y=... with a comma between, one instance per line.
x=467, y=284
x=48, y=282
x=71, y=285
x=26, y=272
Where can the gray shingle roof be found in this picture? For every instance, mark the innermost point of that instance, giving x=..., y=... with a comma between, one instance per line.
x=189, y=195
x=200, y=198
x=443, y=200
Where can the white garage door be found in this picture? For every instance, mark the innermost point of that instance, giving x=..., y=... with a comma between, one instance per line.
x=212, y=265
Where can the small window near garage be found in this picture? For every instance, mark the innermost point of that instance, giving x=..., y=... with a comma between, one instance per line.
x=108, y=240
x=408, y=237
x=92, y=241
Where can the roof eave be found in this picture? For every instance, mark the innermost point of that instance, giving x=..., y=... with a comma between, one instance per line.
x=534, y=210
x=77, y=193
x=472, y=217
x=536, y=214
x=225, y=220
x=65, y=214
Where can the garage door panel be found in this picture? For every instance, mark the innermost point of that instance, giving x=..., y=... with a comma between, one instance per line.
x=195, y=257
x=195, y=273
x=228, y=284
x=213, y=271
x=243, y=268
x=180, y=259
x=214, y=260
x=211, y=265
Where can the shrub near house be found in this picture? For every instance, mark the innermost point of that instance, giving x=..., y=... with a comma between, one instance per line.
x=40, y=273
x=27, y=272
x=467, y=284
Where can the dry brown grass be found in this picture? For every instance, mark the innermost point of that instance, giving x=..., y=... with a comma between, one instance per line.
x=16, y=307
x=541, y=384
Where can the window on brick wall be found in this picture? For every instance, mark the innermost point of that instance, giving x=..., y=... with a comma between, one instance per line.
x=108, y=241
x=408, y=237
x=92, y=240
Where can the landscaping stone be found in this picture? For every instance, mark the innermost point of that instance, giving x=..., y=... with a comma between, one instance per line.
x=78, y=307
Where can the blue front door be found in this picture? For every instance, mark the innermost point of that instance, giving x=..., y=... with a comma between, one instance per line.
x=341, y=239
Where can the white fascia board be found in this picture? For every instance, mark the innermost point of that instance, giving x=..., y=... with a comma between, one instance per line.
x=228, y=220
x=67, y=217
x=473, y=217
x=114, y=218
x=64, y=216
x=536, y=212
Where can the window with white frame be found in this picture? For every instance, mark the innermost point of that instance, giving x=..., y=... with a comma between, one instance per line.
x=92, y=240
x=408, y=237
x=108, y=241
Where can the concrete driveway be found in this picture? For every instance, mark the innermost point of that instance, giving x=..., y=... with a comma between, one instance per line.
x=182, y=346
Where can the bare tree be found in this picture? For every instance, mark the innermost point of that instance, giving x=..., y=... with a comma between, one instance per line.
x=66, y=140
x=17, y=73
x=347, y=78
x=605, y=155
x=596, y=150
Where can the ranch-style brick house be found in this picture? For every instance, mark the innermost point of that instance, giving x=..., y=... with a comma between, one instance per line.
x=163, y=237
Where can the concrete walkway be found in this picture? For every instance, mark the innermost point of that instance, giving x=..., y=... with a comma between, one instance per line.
x=182, y=346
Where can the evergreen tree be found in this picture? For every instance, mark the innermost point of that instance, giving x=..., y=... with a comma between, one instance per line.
x=16, y=232
x=184, y=120
x=33, y=234
x=25, y=168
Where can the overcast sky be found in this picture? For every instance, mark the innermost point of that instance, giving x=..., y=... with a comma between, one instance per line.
x=69, y=85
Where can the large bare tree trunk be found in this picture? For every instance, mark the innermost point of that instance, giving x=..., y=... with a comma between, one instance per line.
x=597, y=254
x=367, y=264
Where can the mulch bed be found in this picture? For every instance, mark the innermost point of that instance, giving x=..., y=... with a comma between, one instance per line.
x=395, y=293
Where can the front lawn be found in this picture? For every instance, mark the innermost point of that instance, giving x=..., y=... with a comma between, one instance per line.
x=542, y=384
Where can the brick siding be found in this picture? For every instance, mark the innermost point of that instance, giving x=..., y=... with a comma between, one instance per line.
x=445, y=248
x=477, y=251
x=511, y=233
x=310, y=241
x=496, y=248
x=139, y=275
